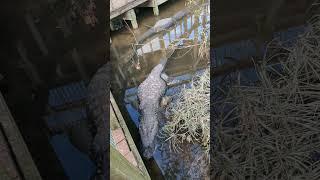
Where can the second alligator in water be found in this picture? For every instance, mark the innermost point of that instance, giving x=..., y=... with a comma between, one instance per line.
x=150, y=92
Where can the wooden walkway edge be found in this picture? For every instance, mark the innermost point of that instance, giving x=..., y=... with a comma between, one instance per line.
x=117, y=122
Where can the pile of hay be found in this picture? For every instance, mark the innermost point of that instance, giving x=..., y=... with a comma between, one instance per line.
x=271, y=130
x=189, y=114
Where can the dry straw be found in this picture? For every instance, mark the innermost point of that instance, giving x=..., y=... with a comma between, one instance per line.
x=271, y=130
x=189, y=114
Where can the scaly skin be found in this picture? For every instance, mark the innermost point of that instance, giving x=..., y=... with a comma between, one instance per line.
x=150, y=92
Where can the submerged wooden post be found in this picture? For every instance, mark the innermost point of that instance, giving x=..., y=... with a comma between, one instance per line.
x=155, y=5
x=156, y=10
x=175, y=32
x=131, y=15
x=185, y=25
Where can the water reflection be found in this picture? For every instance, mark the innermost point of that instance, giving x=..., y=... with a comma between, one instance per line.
x=187, y=29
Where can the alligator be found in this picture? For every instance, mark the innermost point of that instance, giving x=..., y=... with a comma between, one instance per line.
x=150, y=92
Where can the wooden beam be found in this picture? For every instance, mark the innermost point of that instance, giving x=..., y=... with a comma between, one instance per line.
x=115, y=109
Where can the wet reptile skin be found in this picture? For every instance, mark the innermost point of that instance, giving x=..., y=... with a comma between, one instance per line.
x=150, y=92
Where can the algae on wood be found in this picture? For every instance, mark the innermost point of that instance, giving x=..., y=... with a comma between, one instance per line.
x=118, y=120
x=121, y=168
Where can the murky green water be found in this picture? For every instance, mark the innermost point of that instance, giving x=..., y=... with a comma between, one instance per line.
x=185, y=35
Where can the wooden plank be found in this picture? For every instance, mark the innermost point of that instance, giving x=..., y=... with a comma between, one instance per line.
x=129, y=139
x=128, y=5
x=121, y=168
x=20, y=150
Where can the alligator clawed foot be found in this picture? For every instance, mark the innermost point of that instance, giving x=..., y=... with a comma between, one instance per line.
x=165, y=101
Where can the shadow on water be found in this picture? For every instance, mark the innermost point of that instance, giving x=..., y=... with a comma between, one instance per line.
x=183, y=64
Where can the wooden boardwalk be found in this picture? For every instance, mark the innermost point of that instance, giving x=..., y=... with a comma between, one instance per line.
x=125, y=9
x=124, y=155
x=118, y=7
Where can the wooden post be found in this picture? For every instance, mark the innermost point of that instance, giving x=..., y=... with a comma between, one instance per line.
x=185, y=25
x=36, y=34
x=155, y=7
x=204, y=17
x=131, y=15
x=175, y=32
